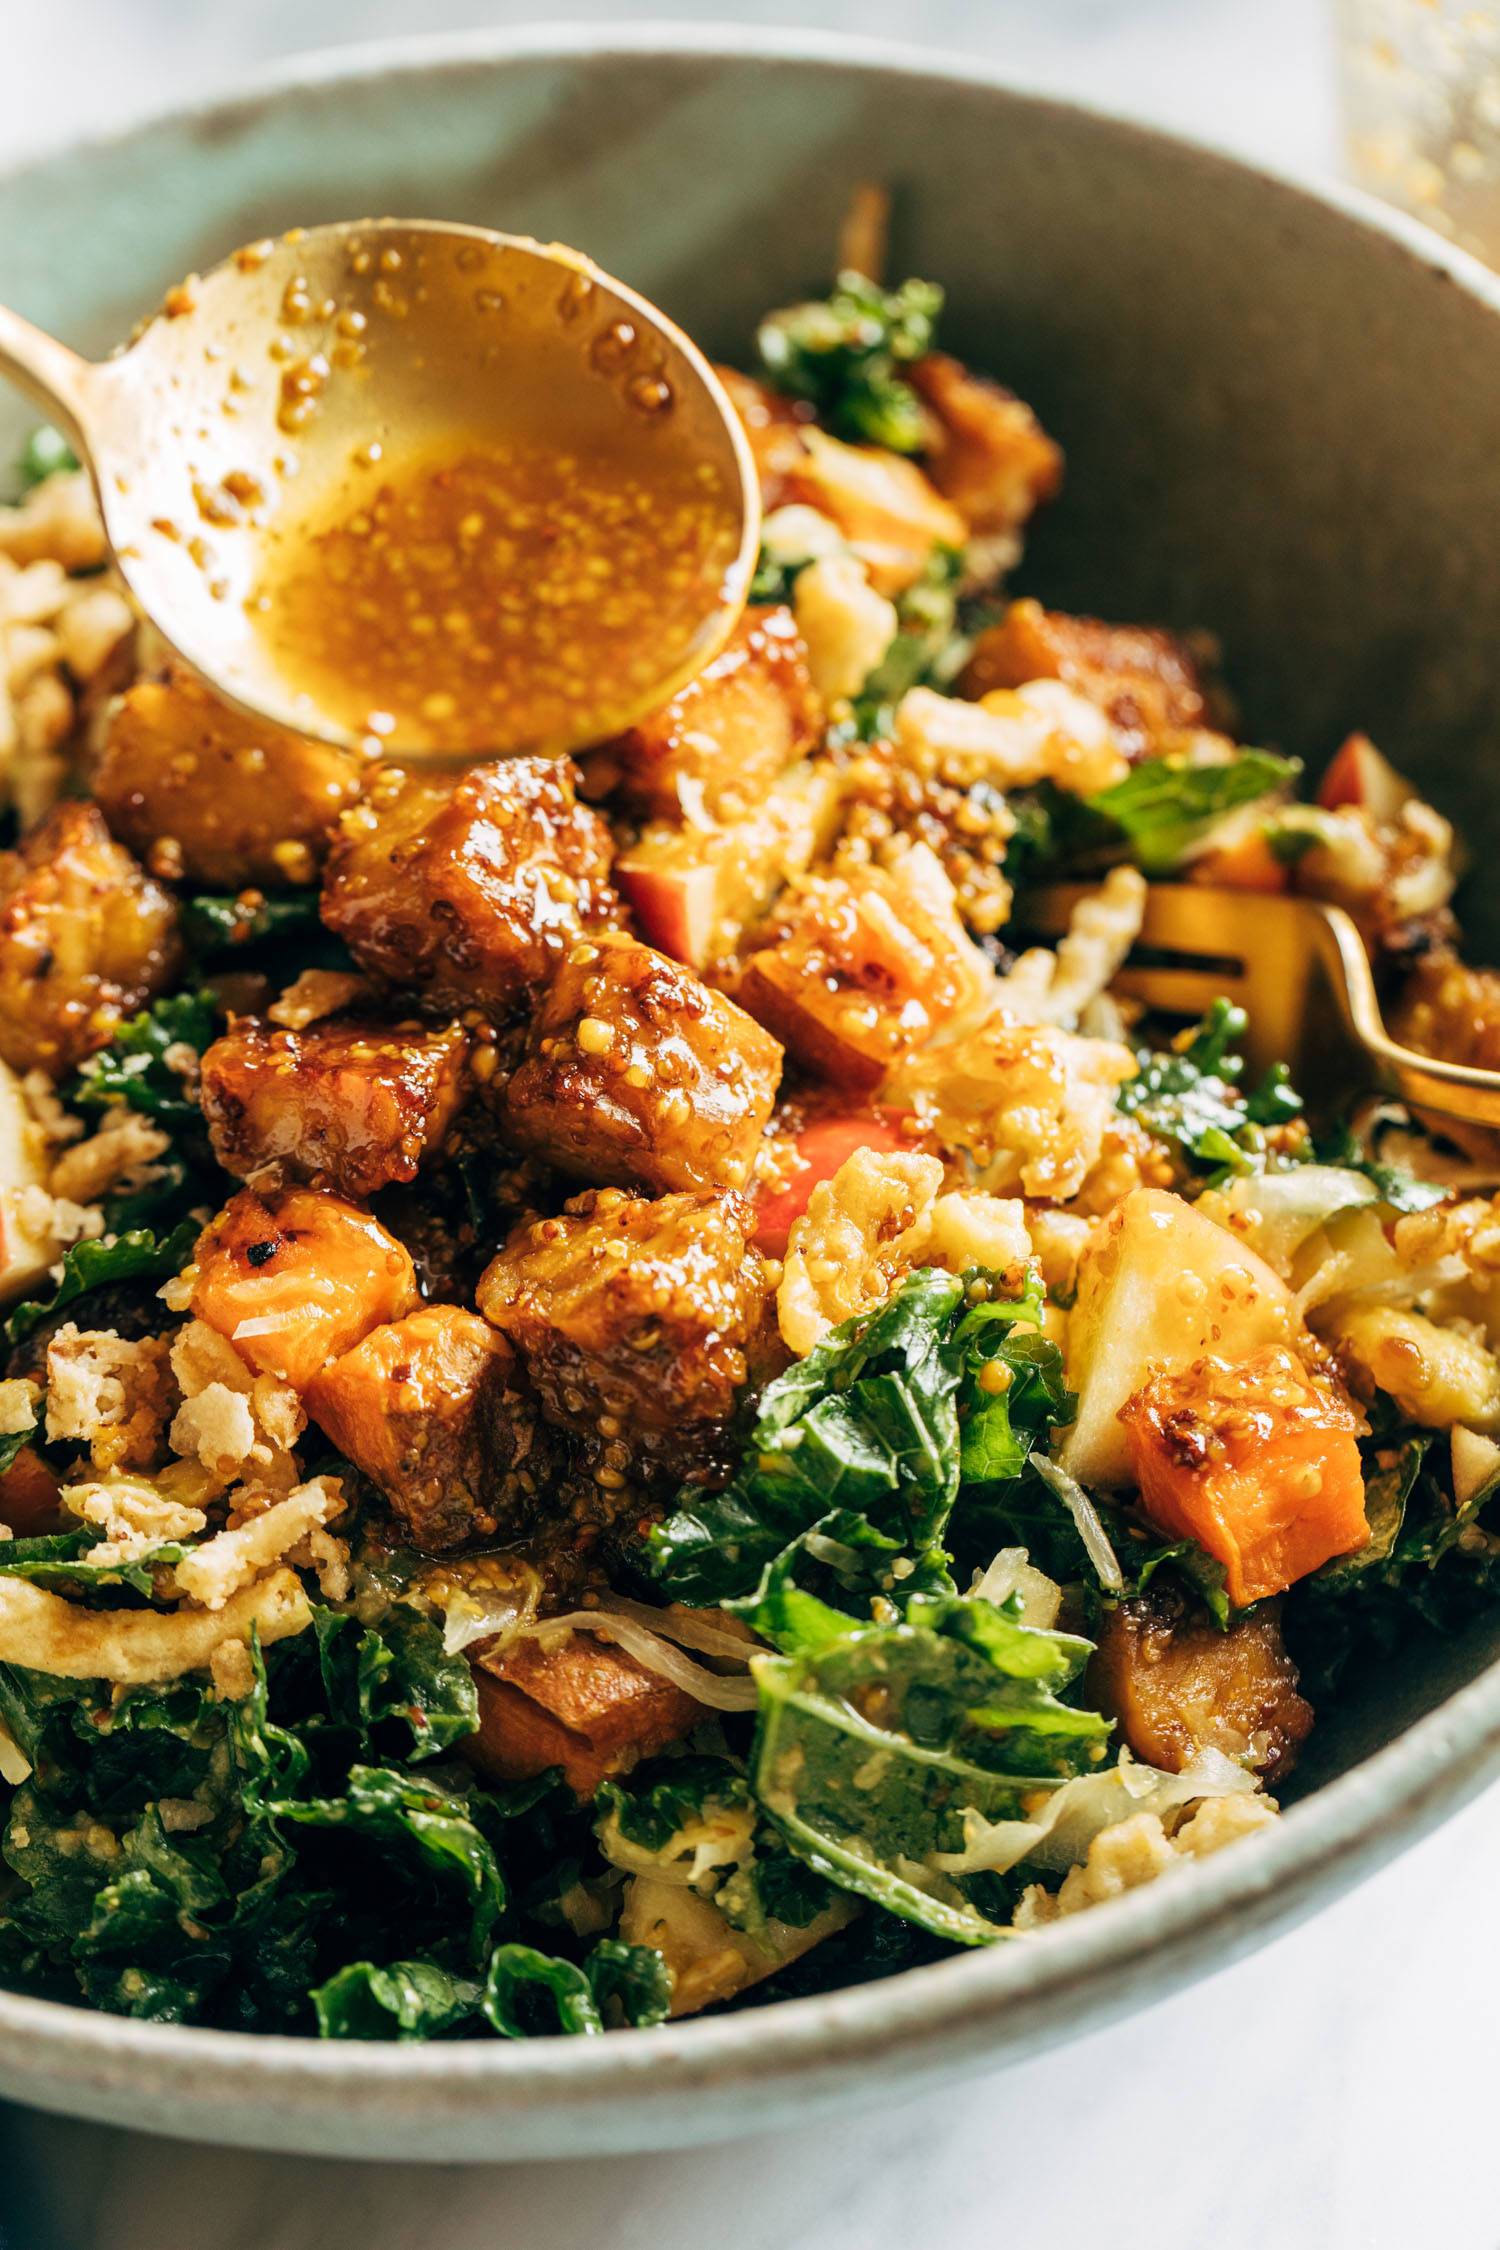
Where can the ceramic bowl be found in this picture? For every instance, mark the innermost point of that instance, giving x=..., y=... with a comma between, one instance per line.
x=1282, y=417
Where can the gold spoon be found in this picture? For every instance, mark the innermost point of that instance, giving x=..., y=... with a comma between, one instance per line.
x=416, y=486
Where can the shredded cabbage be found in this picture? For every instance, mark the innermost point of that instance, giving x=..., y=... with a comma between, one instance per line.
x=483, y=1599
x=1086, y=1522
x=691, y=1628
x=649, y=1645
x=1082, y=1809
x=1286, y=1209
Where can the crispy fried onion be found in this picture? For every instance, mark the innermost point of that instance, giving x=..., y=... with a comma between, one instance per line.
x=218, y=1569
x=653, y=1644
x=45, y=1633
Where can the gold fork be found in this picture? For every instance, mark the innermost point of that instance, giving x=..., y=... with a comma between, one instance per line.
x=1299, y=970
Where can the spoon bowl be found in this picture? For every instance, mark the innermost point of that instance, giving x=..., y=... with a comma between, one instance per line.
x=404, y=376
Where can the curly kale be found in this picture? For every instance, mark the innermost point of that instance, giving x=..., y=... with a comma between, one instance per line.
x=307, y=1859
x=929, y=647
x=844, y=354
x=878, y=1748
x=140, y=1067
x=45, y=453
x=1189, y=1095
x=1165, y=805
x=138, y=1255
x=134, y=1068
x=1431, y=1562
x=855, y=1456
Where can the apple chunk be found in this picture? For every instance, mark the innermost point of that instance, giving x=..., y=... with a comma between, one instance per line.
x=692, y=890
x=1359, y=775
x=1158, y=1288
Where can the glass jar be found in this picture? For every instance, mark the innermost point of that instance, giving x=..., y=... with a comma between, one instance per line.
x=1420, y=81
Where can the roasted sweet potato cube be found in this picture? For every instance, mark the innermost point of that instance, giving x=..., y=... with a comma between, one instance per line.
x=632, y=1317
x=350, y=1106
x=1256, y=1459
x=30, y=1495
x=891, y=514
x=1148, y=683
x=575, y=1701
x=85, y=937
x=206, y=792
x=1177, y=1685
x=866, y=968
x=716, y=747
x=298, y=1280
x=473, y=890
x=990, y=456
x=639, y=1075
x=433, y=1410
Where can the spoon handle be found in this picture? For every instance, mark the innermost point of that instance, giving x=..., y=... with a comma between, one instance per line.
x=49, y=374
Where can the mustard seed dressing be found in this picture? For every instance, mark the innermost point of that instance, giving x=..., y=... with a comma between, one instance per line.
x=504, y=593
x=431, y=491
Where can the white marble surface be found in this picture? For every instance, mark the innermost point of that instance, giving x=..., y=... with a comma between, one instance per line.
x=1336, y=2092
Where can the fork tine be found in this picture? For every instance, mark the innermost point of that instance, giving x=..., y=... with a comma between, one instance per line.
x=1198, y=945
x=1195, y=948
x=1180, y=990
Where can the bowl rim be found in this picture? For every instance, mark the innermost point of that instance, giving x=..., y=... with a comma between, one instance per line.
x=1068, y=1979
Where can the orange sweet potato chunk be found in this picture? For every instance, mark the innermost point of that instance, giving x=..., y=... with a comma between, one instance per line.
x=580, y=1703
x=1257, y=1461
x=297, y=1281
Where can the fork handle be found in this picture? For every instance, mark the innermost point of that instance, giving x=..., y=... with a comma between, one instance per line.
x=1461, y=1091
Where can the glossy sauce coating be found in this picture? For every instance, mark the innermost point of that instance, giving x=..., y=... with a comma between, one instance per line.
x=498, y=598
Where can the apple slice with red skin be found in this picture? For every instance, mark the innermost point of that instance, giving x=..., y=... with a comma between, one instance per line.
x=1360, y=775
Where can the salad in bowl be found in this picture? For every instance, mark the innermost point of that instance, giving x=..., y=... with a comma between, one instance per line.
x=618, y=1401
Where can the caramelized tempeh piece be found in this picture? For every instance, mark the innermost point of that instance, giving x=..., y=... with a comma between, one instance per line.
x=1148, y=683
x=85, y=937
x=473, y=890
x=1178, y=1685
x=350, y=1106
x=633, y=1318
x=206, y=792
x=639, y=1075
x=716, y=747
x=575, y=1701
x=296, y=1281
x=432, y=1409
x=991, y=456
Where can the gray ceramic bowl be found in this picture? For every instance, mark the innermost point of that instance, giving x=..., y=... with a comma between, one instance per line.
x=1282, y=417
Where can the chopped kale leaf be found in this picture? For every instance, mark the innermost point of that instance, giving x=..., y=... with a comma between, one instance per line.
x=844, y=353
